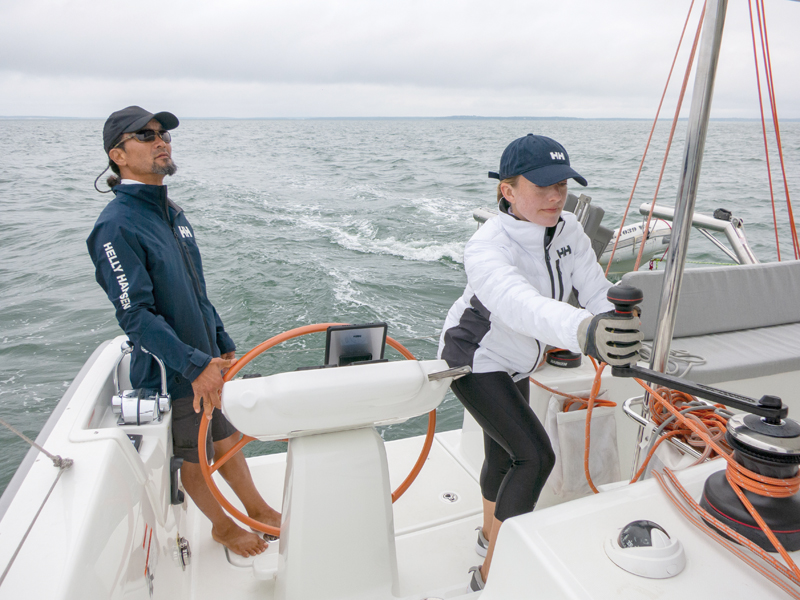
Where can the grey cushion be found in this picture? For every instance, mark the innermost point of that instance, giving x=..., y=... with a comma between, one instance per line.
x=720, y=299
x=743, y=354
x=743, y=320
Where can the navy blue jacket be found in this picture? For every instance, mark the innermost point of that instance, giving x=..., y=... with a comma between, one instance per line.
x=147, y=261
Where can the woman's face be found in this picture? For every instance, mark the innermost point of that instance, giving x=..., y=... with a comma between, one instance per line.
x=540, y=205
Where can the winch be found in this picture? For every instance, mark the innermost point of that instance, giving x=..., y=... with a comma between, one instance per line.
x=143, y=405
x=763, y=440
x=769, y=449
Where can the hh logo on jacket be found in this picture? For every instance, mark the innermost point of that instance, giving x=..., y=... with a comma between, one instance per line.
x=185, y=231
x=562, y=252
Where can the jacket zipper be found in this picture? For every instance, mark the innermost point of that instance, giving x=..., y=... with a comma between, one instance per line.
x=552, y=280
x=560, y=281
x=192, y=272
x=550, y=270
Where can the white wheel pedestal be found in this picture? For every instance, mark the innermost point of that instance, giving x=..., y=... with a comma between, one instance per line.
x=343, y=547
x=337, y=529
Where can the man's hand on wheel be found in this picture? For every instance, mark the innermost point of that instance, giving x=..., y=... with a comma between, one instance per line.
x=207, y=386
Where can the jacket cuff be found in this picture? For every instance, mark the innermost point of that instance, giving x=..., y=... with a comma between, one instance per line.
x=198, y=361
x=225, y=343
x=574, y=342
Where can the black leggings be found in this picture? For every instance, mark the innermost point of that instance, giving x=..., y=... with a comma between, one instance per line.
x=518, y=454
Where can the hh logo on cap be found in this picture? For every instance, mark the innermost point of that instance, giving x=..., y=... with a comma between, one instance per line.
x=557, y=156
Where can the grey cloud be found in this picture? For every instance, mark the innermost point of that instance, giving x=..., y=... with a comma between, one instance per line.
x=598, y=55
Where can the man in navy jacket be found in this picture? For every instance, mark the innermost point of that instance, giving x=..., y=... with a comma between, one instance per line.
x=147, y=261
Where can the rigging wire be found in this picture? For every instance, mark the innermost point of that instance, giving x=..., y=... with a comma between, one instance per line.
x=649, y=139
x=62, y=464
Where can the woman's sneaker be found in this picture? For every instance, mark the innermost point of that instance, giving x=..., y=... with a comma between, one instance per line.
x=482, y=545
x=476, y=584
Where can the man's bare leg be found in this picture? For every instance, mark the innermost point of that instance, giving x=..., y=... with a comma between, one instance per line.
x=237, y=474
x=224, y=530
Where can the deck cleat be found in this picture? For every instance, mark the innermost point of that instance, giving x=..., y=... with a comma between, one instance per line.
x=769, y=447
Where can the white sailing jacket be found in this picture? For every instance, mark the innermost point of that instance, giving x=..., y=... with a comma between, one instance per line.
x=519, y=279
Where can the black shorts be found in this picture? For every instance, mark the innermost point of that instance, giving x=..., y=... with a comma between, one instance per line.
x=186, y=426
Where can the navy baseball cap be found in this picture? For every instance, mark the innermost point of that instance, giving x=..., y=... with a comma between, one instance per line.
x=539, y=159
x=131, y=119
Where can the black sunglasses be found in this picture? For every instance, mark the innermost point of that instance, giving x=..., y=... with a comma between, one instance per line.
x=147, y=136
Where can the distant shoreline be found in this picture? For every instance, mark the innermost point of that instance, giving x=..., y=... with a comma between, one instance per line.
x=450, y=118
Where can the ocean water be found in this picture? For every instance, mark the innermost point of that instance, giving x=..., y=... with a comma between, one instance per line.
x=308, y=221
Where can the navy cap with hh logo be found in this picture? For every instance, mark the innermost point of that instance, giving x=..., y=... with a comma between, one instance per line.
x=541, y=160
x=131, y=119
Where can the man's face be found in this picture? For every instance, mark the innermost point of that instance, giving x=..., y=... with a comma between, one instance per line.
x=147, y=162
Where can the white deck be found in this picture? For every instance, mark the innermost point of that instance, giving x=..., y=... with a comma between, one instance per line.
x=435, y=538
x=90, y=539
x=559, y=551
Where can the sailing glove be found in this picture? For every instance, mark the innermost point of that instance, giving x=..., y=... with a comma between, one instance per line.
x=611, y=338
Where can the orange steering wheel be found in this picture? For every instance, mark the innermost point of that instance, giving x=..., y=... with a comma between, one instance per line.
x=208, y=470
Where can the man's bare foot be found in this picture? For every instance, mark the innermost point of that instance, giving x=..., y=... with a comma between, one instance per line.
x=268, y=516
x=237, y=540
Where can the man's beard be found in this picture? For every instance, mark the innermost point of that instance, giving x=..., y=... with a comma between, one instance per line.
x=169, y=168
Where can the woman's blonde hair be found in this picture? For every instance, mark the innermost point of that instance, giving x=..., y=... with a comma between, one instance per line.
x=512, y=181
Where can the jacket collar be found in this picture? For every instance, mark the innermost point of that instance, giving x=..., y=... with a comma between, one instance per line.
x=153, y=197
x=525, y=233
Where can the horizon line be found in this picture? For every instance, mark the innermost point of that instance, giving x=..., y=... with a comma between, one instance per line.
x=396, y=118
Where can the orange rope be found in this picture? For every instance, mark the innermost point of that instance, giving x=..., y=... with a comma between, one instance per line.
x=730, y=533
x=740, y=477
x=707, y=430
x=762, y=25
x=712, y=423
x=764, y=130
x=590, y=403
x=759, y=484
x=715, y=423
x=647, y=146
x=588, y=430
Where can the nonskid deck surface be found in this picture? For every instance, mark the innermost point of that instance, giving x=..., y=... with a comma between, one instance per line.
x=435, y=523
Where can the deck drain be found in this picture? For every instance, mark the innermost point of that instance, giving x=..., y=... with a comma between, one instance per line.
x=450, y=497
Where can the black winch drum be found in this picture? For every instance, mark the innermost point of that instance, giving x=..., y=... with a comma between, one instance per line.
x=772, y=450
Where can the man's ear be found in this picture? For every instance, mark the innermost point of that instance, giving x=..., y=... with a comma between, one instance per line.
x=118, y=156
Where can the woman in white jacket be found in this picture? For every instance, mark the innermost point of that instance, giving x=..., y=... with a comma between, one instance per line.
x=521, y=267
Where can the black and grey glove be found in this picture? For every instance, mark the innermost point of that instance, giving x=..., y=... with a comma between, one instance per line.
x=612, y=338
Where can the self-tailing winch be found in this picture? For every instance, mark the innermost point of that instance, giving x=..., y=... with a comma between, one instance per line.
x=764, y=441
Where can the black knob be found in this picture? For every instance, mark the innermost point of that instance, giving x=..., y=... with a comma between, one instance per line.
x=624, y=298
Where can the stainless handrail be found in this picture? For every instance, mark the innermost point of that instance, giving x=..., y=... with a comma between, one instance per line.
x=733, y=230
x=628, y=410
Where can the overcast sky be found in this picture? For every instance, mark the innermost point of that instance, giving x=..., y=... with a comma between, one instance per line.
x=346, y=58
